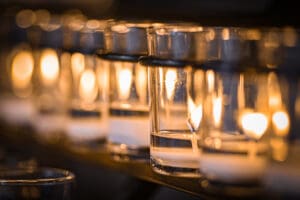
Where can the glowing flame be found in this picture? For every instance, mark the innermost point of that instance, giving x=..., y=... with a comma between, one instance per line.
x=49, y=67
x=195, y=113
x=217, y=110
x=22, y=69
x=170, y=82
x=124, y=76
x=225, y=34
x=281, y=123
x=274, y=92
x=88, y=86
x=77, y=64
x=210, y=76
x=254, y=124
x=141, y=82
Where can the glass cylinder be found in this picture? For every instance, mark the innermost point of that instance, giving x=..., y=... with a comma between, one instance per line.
x=17, y=66
x=245, y=108
x=173, y=147
x=41, y=183
x=128, y=137
x=88, y=109
x=51, y=80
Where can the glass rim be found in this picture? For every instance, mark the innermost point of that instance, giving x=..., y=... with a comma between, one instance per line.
x=52, y=176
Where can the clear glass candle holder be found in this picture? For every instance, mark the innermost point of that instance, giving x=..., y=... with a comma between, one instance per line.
x=17, y=67
x=173, y=148
x=129, y=134
x=16, y=104
x=40, y=183
x=236, y=127
x=88, y=116
x=51, y=81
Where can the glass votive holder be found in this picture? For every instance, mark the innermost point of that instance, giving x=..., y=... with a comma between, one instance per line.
x=17, y=66
x=51, y=81
x=173, y=149
x=129, y=135
x=16, y=104
x=88, y=111
x=40, y=183
x=244, y=114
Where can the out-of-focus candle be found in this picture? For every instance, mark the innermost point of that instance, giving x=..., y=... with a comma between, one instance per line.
x=132, y=129
x=17, y=108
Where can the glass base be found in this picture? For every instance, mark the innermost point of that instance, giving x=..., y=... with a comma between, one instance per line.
x=124, y=153
x=174, y=171
x=254, y=190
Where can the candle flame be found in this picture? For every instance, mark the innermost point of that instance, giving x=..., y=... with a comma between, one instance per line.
x=254, y=124
x=88, y=86
x=225, y=34
x=210, y=76
x=124, y=75
x=49, y=67
x=217, y=110
x=281, y=123
x=141, y=82
x=195, y=113
x=22, y=69
x=77, y=64
x=170, y=82
x=274, y=91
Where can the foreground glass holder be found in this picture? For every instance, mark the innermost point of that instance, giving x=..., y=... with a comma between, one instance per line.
x=173, y=149
x=40, y=183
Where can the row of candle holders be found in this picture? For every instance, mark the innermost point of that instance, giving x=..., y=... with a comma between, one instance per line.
x=222, y=102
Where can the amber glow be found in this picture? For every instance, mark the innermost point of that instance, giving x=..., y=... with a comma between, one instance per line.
x=281, y=123
x=22, y=69
x=279, y=149
x=124, y=76
x=254, y=124
x=141, y=82
x=49, y=65
x=217, y=111
x=225, y=34
x=77, y=64
x=195, y=114
x=88, y=86
x=210, y=76
x=275, y=101
x=170, y=82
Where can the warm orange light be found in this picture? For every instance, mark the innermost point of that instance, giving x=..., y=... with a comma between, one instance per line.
x=210, y=76
x=170, y=83
x=217, y=111
x=124, y=76
x=88, y=90
x=195, y=114
x=141, y=82
x=254, y=124
x=290, y=36
x=281, y=123
x=225, y=34
x=275, y=101
x=22, y=69
x=77, y=64
x=49, y=65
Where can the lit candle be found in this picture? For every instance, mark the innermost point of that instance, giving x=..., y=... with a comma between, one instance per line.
x=88, y=120
x=49, y=100
x=239, y=162
x=129, y=123
x=180, y=157
x=19, y=109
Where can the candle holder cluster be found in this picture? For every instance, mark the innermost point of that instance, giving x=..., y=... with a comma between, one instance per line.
x=218, y=104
